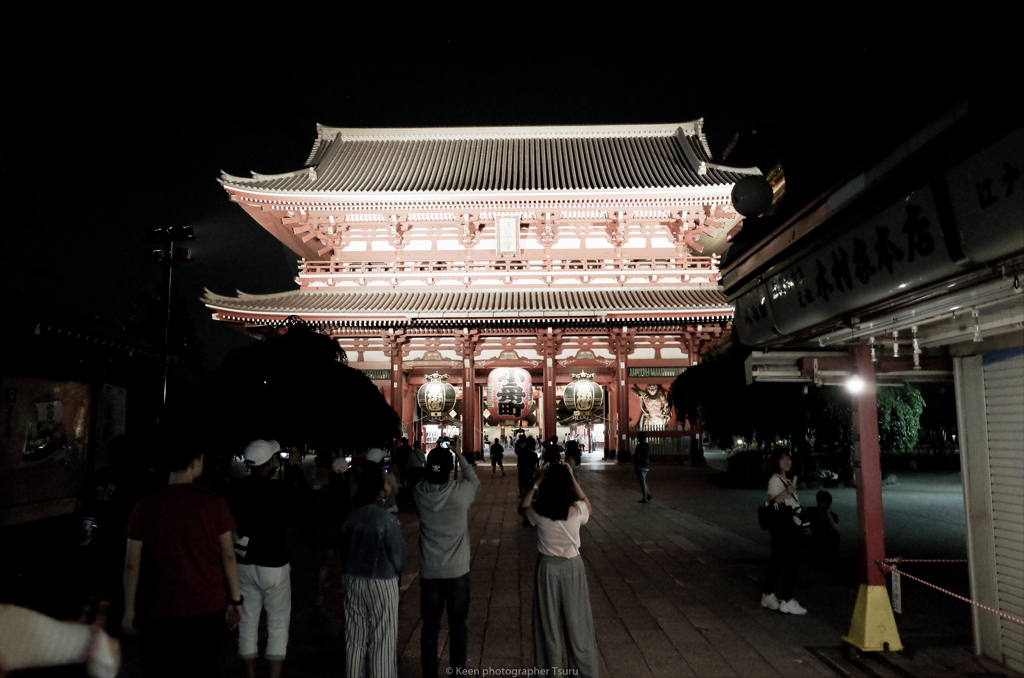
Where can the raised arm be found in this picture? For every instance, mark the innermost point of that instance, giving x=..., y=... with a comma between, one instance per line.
x=132, y=564
x=538, y=477
x=468, y=474
x=579, y=493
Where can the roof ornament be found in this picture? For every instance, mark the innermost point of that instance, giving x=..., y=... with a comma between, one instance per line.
x=549, y=234
x=312, y=173
x=702, y=169
x=617, y=231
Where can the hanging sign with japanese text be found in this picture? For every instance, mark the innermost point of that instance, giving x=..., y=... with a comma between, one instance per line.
x=900, y=248
x=509, y=393
x=987, y=195
x=754, y=320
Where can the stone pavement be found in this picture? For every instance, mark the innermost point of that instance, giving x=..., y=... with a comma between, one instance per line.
x=674, y=594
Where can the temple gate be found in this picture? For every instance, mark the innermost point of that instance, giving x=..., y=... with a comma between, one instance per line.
x=552, y=249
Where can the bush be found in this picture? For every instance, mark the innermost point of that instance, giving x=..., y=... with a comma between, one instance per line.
x=899, y=419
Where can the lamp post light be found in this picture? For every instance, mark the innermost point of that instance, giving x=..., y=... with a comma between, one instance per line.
x=167, y=255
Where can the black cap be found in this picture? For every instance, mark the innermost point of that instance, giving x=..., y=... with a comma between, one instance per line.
x=439, y=466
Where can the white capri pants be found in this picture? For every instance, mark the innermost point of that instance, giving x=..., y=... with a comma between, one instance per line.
x=270, y=589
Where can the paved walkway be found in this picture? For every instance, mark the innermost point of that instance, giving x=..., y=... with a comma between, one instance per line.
x=674, y=593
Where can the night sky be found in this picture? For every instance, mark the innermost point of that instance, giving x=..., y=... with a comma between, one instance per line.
x=116, y=123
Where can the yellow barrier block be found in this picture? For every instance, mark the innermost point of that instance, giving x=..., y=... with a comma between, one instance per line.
x=873, y=627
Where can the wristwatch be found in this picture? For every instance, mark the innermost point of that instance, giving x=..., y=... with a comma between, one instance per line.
x=237, y=603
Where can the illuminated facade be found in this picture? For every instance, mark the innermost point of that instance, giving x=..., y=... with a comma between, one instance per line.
x=461, y=250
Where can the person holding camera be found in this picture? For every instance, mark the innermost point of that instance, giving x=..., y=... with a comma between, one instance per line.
x=264, y=508
x=787, y=535
x=443, y=507
x=561, y=597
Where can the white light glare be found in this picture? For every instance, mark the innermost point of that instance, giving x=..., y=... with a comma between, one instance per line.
x=855, y=385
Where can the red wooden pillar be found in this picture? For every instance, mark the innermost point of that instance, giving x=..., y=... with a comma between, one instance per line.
x=396, y=394
x=409, y=408
x=622, y=384
x=873, y=627
x=548, y=390
x=609, y=421
x=470, y=404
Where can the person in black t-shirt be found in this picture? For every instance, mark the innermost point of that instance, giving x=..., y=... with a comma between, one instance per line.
x=264, y=508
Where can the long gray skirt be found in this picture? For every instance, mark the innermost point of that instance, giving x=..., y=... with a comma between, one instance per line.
x=561, y=601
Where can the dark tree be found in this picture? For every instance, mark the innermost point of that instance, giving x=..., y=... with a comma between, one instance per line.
x=295, y=387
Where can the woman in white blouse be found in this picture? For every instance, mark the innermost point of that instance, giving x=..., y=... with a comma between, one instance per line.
x=787, y=535
x=561, y=598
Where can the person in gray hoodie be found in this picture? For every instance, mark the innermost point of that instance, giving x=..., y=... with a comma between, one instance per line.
x=443, y=505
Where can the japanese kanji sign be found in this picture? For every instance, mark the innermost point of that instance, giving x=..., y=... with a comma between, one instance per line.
x=900, y=247
x=509, y=393
x=987, y=195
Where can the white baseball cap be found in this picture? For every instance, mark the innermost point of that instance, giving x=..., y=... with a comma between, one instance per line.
x=339, y=465
x=259, y=452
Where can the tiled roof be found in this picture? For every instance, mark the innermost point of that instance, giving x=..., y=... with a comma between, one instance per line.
x=458, y=160
x=443, y=304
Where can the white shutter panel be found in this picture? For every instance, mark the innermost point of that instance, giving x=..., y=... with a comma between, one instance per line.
x=1004, y=420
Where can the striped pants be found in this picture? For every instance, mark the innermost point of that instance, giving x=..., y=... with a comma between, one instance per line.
x=561, y=600
x=371, y=626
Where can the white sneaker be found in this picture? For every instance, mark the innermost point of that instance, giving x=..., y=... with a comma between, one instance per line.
x=770, y=601
x=791, y=607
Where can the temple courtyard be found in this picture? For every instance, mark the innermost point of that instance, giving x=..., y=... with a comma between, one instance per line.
x=674, y=585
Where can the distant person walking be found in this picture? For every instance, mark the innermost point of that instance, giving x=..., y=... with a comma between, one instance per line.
x=497, y=452
x=787, y=535
x=443, y=507
x=181, y=537
x=552, y=451
x=264, y=509
x=372, y=556
x=561, y=599
x=642, y=464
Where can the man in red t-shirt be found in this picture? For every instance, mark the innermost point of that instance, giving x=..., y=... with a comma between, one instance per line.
x=180, y=539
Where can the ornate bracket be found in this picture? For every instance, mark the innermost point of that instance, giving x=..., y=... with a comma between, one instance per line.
x=398, y=230
x=547, y=233
x=617, y=230
x=468, y=341
x=549, y=341
x=622, y=343
x=470, y=231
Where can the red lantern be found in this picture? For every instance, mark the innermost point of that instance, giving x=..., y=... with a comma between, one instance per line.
x=509, y=393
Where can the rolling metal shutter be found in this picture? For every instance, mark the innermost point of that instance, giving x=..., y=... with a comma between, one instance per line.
x=1004, y=421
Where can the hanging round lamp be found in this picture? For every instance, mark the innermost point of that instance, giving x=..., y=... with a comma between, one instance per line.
x=436, y=397
x=583, y=397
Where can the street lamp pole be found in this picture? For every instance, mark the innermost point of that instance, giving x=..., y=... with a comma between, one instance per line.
x=167, y=255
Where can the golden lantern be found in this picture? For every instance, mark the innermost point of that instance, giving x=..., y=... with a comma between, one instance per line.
x=436, y=397
x=583, y=397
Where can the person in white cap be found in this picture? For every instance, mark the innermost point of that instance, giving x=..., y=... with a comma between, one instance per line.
x=376, y=456
x=264, y=508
